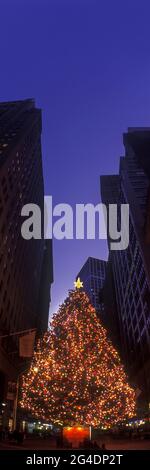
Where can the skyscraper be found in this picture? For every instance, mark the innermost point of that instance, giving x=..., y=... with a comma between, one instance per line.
x=131, y=267
x=108, y=304
x=25, y=265
x=93, y=274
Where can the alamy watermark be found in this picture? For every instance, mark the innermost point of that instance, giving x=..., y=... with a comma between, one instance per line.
x=85, y=222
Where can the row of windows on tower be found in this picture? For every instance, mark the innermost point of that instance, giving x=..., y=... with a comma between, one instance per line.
x=7, y=182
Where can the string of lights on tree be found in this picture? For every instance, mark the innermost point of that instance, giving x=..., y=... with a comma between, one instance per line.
x=76, y=376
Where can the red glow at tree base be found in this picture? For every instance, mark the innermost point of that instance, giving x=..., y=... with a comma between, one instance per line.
x=76, y=434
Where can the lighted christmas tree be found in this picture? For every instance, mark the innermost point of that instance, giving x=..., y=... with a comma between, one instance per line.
x=76, y=376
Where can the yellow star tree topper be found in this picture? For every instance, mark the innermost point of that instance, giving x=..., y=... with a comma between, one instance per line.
x=78, y=284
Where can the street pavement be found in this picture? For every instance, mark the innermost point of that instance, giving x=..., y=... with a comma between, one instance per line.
x=47, y=444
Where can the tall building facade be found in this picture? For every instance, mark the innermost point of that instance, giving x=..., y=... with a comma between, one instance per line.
x=25, y=265
x=131, y=267
x=109, y=311
x=93, y=274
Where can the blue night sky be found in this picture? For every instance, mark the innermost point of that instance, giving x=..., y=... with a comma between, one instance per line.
x=87, y=64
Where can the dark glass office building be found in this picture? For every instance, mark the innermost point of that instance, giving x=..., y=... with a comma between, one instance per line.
x=131, y=267
x=93, y=274
x=26, y=270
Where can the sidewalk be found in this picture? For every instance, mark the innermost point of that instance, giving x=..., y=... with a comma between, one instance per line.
x=41, y=444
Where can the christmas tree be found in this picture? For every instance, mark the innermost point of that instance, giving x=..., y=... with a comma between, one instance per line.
x=76, y=376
